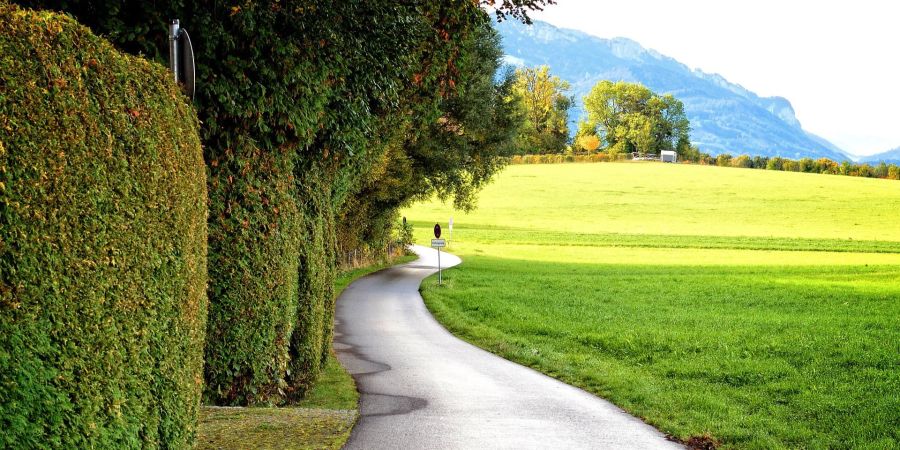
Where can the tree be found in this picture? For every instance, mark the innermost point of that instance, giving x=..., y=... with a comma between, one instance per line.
x=630, y=117
x=517, y=9
x=723, y=160
x=451, y=154
x=545, y=107
x=893, y=172
x=805, y=164
x=587, y=142
x=742, y=161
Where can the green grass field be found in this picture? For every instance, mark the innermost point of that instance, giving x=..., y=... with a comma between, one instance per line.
x=759, y=309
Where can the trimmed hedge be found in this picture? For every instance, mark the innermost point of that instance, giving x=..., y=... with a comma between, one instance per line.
x=255, y=234
x=311, y=341
x=299, y=102
x=102, y=243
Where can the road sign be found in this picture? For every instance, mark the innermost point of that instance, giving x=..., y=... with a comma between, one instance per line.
x=437, y=230
x=438, y=243
x=188, y=72
x=181, y=58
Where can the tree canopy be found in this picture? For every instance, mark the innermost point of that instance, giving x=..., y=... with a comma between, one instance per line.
x=629, y=117
x=545, y=107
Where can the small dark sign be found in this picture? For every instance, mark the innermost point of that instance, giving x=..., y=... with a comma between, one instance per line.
x=437, y=231
x=181, y=58
x=188, y=73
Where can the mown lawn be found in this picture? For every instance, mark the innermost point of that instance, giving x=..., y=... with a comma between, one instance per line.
x=765, y=318
x=322, y=421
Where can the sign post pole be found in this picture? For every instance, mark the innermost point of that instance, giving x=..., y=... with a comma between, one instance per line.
x=437, y=243
x=174, y=32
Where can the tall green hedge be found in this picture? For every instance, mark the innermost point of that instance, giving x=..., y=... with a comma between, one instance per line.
x=311, y=341
x=103, y=243
x=299, y=100
x=255, y=233
x=289, y=95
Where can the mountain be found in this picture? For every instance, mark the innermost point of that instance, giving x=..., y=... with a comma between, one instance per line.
x=890, y=157
x=725, y=117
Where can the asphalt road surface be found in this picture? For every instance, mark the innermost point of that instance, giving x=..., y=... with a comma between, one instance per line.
x=422, y=388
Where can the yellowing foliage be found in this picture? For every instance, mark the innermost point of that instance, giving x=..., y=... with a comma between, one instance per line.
x=588, y=142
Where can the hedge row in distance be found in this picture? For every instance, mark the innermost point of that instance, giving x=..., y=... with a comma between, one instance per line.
x=103, y=242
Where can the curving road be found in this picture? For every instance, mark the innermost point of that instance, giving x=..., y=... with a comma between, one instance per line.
x=422, y=388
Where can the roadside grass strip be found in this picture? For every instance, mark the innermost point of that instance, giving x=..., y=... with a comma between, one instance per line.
x=322, y=420
x=756, y=356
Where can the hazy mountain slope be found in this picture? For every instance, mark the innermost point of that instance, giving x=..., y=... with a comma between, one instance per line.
x=725, y=117
x=890, y=157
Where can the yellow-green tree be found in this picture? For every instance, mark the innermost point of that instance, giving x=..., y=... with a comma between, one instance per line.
x=587, y=142
x=545, y=107
x=630, y=117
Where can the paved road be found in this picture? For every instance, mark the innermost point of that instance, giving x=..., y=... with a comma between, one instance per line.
x=422, y=388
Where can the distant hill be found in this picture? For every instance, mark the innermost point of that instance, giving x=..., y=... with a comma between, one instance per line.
x=890, y=157
x=725, y=117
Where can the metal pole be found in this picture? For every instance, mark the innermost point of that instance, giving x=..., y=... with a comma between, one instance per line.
x=440, y=279
x=174, y=29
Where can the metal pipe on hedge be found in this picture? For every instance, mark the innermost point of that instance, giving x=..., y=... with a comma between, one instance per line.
x=174, y=29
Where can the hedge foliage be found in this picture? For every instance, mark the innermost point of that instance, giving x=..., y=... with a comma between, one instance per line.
x=302, y=103
x=103, y=243
x=290, y=96
x=805, y=165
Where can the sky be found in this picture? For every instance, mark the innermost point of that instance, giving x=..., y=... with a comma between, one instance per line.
x=838, y=62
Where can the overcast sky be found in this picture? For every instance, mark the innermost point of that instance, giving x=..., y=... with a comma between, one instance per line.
x=838, y=62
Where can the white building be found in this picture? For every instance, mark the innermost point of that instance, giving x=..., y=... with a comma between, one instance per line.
x=668, y=156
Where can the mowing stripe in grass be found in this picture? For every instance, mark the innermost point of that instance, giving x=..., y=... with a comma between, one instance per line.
x=524, y=236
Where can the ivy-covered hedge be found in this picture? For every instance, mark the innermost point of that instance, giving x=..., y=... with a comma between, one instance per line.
x=103, y=243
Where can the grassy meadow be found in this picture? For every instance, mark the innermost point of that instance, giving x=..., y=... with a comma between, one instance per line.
x=755, y=309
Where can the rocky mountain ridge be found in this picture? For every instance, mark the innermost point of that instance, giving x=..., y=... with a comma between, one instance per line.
x=725, y=116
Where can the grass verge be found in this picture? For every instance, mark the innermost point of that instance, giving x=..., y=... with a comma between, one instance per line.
x=756, y=357
x=322, y=420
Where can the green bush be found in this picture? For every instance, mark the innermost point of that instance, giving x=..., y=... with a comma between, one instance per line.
x=102, y=243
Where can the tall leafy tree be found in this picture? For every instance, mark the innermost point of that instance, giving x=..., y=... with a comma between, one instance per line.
x=451, y=154
x=630, y=117
x=545, y=107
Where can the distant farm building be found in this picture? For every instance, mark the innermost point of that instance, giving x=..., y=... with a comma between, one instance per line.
x=638, y=156
x=668, y=156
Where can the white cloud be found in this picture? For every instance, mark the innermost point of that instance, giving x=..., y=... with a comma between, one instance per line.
x=513, y=60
